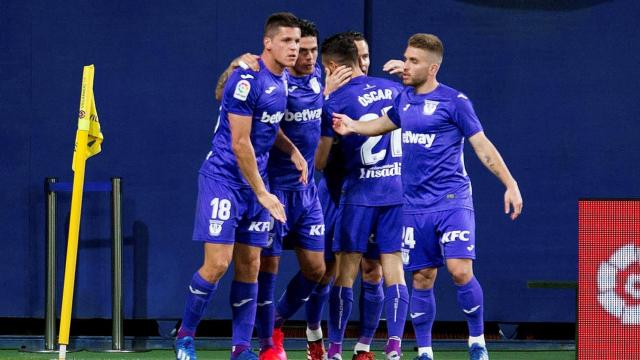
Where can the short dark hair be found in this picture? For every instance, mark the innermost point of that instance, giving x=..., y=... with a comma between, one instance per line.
x=276, y=20
x=428, y=42
x=357, y=36
x=340, y=48
x=308, y=28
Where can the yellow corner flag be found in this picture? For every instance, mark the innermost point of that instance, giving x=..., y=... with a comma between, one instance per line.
x=88, y=143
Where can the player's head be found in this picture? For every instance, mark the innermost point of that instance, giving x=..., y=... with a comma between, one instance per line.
x=339, y=49
x=282, y=38
x=308, y=53
x=363, y=50
x=423, y=58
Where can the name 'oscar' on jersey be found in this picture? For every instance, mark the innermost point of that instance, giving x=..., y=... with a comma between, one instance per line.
x=261, y=95
x=434, y=126
x=301, y=124
x=373, y=164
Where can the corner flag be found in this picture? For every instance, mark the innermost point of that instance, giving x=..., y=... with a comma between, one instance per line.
x=88, y=141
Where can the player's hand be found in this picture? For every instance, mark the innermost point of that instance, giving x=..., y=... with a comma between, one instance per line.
x=342, y=124
x=394, y=67
x=246, y=61
x=512, y=198
x=301, y=165
x=273, y=205
x=334, y=80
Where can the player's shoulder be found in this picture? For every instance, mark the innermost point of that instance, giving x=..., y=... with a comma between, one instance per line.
x=453, y=94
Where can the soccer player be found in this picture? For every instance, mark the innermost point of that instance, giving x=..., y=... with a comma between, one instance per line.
x=439, y=225
x=370, y=202
x=305, y=223
x=233, y=206
x=328, y=160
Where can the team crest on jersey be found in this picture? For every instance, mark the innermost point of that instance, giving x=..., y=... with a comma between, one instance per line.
x=430, y=107
x=315, y=85
x=242, y=90
x=215, y=227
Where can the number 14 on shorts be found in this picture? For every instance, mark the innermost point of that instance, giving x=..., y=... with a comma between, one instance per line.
x=408, y=243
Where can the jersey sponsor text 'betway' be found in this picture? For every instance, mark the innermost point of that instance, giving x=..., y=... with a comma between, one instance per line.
x=409, y=137
x=272, y=119
x=304, y=115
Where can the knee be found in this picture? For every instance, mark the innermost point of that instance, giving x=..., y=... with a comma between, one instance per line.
x=461, y=275
x=269, y=264
x=314, y=271
x=213, y=269
x=371, y=271
x=424, y=279
x=249, y=265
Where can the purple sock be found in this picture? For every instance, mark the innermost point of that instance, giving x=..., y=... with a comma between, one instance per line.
x=243, y=309
x=297, y=293
x=315, y=305
x=371, y=304
x=393, y=344
x=423, y=314
x=265, y=308
x=199, y=295
x=396, y=303
x=340, y=304
x=237, y=349
x=334, y=349
x=471, y=303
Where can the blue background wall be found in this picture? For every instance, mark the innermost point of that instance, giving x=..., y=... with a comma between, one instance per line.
x=554, y=83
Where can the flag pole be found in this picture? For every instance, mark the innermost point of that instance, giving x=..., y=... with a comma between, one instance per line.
x=79, y=160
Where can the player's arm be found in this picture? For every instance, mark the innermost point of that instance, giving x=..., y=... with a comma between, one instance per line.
x=246, y=158
x=284, y=144
x=322, y=152
x=246, y=61
x=490, y=157
x=344, y=125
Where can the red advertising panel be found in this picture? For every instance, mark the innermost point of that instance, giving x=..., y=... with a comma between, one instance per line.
x=609, y=279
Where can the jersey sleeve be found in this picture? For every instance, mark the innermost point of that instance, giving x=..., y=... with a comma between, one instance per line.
x=465, y=117
x=393, y=113
x=241, y=92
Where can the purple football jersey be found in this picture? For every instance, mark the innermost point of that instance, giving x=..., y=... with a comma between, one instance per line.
x=261, y=95
x=434, y=126
x=373, y=164
x=301, y=124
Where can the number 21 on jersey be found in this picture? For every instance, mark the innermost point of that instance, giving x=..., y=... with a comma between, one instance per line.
x=367, y=155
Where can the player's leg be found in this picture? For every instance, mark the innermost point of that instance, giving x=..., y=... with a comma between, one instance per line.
x=315, y=306
x=353, y=227
x=421, y=255
x=396, y=297
x=320, y=295
x=308, y=235
x=244, y=296
x=458, y=240
x=252, y=235
x=299, y=289
x=269, y=263
x=265, y=311
x=341, y=300
x=217, y=211
x=422, y=307
x=371, y=296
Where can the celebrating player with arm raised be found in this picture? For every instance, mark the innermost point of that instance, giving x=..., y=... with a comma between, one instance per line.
x=439, y=225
